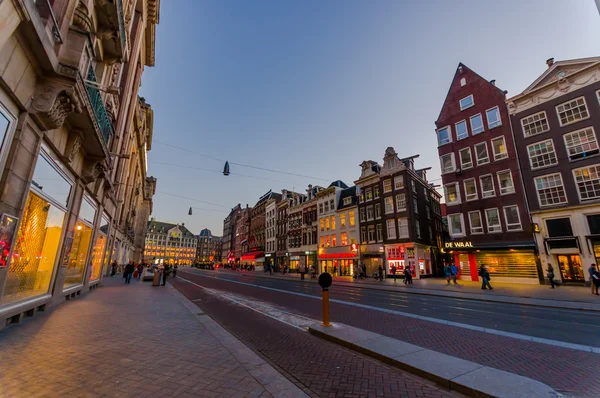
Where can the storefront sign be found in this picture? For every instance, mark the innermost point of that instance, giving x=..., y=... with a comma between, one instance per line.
x=295, y=258
x=268, y=255
x=458, y=245
x=410, y=252
x=8, y=226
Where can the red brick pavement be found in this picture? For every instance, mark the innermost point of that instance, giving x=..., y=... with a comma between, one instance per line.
x=572, y=372
x=325, y=369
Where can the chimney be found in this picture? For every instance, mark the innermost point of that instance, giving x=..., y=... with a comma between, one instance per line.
x=550, y=62
x=493, y=81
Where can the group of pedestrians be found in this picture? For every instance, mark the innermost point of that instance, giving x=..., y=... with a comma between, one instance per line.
x=451, y=273
x=131, y=270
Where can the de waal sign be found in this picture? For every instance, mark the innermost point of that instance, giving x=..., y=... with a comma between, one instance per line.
x=458, y=245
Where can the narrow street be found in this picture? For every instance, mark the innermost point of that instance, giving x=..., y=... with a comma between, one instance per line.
x=542, y=362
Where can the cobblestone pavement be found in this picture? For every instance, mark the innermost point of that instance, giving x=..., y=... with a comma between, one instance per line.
x=571, y=372
x=124, y=341
x=322, y=368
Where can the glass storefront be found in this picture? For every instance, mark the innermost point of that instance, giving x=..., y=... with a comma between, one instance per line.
x=571, y=269
x=98, y=253
x=81, y=244
x=37, y=242
x=511, y=264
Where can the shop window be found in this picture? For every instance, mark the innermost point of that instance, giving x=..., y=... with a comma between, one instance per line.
x=559, y=227
x=98, y=252
x=81, y=243
x=344, y=239
x=342, y=220
x=351, y=218
x=35, y=251
x=333, y=240
x=514, y=264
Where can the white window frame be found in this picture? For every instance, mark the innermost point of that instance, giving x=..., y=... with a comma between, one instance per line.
x=532, y=116
x=469, y=165
x=390, y=223
x=480, y=228
x=477, y=161
x=469, y=106
x=458, y=138
x=388, y=182
x=457, y=187
x=385, y=203
x=451, y=154
x=417, y=229
x=511, y=180
x=6, y=142
x=583, y=130
x=487, y=222
x=509, y=227
x=575, y=121
x=398, y=179
x=398, y=208
x=562, y=184
x=462, y=224
x=449, y=135
x=598, y=96
x=544, y=154
x=465, y=187
x=588, y=181
x=502, y=155
x=499, y=122
x=479, y=130
x=483, y=192
x=347, y=201
x=403, y=221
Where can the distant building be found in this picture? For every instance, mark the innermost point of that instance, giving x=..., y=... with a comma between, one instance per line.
x=255, y=256
x=294, y=231
x=169, y=243
x=555, y=122
x=229, y=231
x=209, y=248
x=282, y=254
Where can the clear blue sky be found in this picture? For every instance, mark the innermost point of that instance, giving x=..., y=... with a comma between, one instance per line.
x=316, y=87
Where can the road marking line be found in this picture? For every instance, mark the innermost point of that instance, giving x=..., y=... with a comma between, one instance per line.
x=556, y=343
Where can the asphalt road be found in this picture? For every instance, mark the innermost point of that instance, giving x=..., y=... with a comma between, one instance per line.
x=572, y=326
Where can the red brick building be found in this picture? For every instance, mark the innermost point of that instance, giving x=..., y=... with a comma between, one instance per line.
x=488, y=221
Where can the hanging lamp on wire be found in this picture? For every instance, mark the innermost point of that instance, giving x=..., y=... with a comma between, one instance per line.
x=226, y=169
x=190, y=212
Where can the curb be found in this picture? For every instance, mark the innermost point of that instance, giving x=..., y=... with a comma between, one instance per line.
x=449, y=372
x=456, y=295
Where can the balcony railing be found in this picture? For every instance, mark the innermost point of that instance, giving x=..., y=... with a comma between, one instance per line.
x=98, y=106
x=121, y=25
x=46, y=12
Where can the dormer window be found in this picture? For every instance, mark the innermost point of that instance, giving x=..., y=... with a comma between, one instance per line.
x=466, y=102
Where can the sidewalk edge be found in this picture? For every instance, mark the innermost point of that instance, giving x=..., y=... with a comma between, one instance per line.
x=460, y=382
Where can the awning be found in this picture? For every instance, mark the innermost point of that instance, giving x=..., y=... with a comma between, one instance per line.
x=252, y=256
x=338, y=255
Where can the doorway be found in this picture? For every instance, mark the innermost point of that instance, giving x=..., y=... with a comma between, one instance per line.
x=570, y=268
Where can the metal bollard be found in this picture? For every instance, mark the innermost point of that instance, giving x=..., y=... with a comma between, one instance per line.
x=325, y=281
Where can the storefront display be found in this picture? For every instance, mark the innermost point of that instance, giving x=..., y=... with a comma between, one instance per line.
x=37, y=243
x=511, y=265
x=98, y=252
x=81, y=244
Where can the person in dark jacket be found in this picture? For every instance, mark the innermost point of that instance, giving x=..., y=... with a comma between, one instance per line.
x=454, y=273
x=175, y=271
x=129, y=268
x=166, y=272
x=595, y=280
x=485, y=278
x=447, y=273
x=550, y=275
x=113, y=269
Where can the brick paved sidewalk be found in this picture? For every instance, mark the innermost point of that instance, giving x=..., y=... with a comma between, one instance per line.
x=576, y=297
x=131, y=340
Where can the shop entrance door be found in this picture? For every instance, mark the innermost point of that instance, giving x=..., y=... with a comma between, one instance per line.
x=570, y=268
x=464, y=267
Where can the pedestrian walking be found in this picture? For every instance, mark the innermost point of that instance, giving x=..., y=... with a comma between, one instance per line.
x=113, y=269
x=175, y=271
x=364, y=268
x=393, y=270
x=302, y=270
x=485, y=278
x=595, y=280
x=166, y=272
x=129, y=268
x=447, y=272
x=335, y=270
x=550, y=275
x=380, y=272
x=591, y=271
x=408, y=275
x=454, y=273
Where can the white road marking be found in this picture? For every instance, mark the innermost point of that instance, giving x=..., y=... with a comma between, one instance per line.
x=556, y=343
